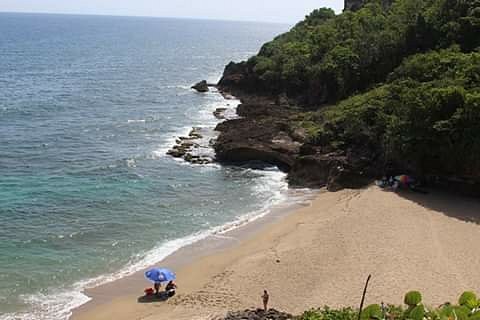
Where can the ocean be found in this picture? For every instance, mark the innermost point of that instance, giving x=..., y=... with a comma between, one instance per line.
x=89, y=105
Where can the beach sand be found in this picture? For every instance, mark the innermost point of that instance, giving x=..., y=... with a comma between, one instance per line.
x=321, y=255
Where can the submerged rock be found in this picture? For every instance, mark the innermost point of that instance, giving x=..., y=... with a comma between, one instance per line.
x=201, y=86
x=219, y=113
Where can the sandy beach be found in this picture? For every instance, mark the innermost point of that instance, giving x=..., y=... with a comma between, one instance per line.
x=320, y=255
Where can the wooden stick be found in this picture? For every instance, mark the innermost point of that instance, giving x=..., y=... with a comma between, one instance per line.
x=363, y=297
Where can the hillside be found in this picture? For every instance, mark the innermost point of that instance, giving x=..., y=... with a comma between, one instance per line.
x=385, y=89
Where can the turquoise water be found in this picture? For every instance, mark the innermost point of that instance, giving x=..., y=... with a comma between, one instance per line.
x=88, y=107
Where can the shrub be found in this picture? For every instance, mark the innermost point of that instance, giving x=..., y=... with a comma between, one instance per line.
x=373, y=311
x=413, y=298
x=453, y=312
x=329, y=314
x=474, y=316
x=417, y=313
x=468, y=299
x=311, y=315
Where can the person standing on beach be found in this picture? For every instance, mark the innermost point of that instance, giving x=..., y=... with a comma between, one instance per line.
x=265, y=298
x=157, y=287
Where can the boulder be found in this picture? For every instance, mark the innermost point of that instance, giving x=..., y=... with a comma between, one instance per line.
x=243, y=140
x=201, y=86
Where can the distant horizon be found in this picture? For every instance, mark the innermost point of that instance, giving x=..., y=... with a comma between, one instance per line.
x=141, y=16
x=269, y=11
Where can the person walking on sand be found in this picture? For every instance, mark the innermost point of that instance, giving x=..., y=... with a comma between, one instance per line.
x=265, y=298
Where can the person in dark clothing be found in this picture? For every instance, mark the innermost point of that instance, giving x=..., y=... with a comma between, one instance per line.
x=170, y=288
x=265, y=298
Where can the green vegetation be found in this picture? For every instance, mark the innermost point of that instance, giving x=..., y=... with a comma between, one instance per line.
x=469, y=300
x=326, y=58
x=427, y=115
x=401, y=85
x=372, y=312
x=414, y=311
x=413, y=299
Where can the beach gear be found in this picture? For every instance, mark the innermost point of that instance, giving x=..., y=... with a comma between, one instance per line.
x=160, y=275
x=149, y=291
x=404, y=179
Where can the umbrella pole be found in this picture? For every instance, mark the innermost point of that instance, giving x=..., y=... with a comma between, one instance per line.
x=363, y=296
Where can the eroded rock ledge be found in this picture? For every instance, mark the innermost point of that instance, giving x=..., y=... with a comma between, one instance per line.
x=267, y=132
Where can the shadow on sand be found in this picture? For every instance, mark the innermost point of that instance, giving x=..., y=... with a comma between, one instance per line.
x=455, y=206
x=161, y=297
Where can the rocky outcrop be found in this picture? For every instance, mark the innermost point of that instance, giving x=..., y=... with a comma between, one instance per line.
x=186, y=148
x=333, y=170
x=258, y=314
x=201, y=86
x=246, y=139
x=239, y=79
x=265, y=132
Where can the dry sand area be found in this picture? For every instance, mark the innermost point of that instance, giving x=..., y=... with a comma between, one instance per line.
x=321, y=255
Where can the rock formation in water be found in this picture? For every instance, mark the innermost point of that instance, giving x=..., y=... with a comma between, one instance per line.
x=201, y=86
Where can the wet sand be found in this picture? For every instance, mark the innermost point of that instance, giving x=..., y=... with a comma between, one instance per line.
x=318, y=255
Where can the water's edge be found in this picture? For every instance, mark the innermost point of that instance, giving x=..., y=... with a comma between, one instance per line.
x=178, y=252
x=59, y=304
x=220, y=240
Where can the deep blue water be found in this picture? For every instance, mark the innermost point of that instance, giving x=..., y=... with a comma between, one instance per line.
x=88, y=107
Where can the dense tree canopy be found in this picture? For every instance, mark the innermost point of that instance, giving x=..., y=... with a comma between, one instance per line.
x=425, y=117
x=326, y=58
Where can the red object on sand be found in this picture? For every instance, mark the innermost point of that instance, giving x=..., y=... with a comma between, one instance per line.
x=149, y=291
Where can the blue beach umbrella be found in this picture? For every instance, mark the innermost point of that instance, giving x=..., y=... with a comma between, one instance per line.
x=160, y=275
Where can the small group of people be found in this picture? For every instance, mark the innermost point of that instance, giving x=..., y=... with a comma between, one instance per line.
x=396, y=182
x=159, y=276
x=170, y=289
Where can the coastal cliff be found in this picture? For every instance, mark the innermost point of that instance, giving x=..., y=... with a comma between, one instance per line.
x=343, y=99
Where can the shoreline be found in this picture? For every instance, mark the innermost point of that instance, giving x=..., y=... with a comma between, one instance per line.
x=186, y=255
x=215, y=241
x=83, y=294
x=327, y=249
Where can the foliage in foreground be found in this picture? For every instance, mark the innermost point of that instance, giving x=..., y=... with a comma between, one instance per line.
x=468, y=308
